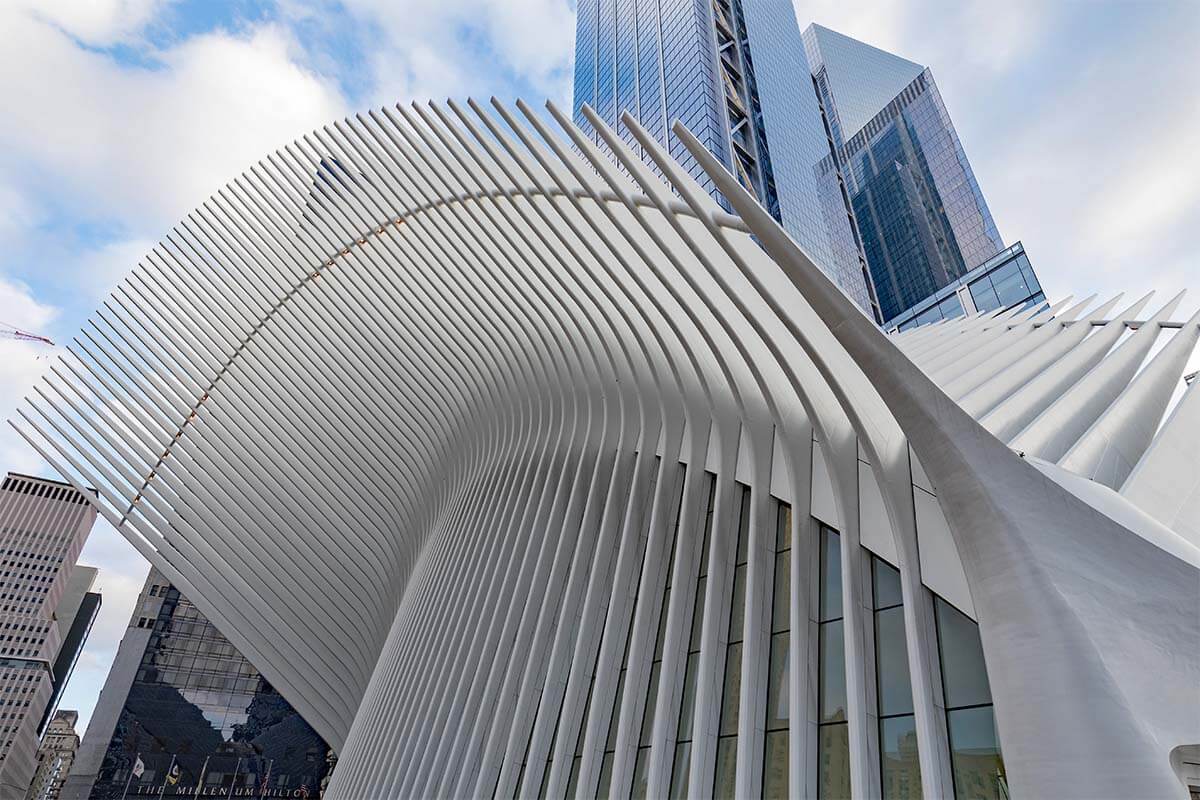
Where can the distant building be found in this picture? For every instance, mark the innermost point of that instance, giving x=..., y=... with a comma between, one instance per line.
x=1002, y=282
x=179, y=694
x=75, y=615
x=54, y=757
x=43, y=525
x=920, y=213
x=849, y=147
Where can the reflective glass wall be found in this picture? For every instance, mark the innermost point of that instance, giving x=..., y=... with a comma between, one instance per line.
x=833, y=733
x=974, y=743
x=899, y=766
x=198, y=705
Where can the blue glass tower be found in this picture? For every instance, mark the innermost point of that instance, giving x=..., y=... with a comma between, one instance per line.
x=729, y=71
x=848, y=146
x=920, y=213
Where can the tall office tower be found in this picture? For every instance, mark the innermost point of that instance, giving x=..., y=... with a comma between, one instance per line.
x=920, y=214
x=736, y=75
x=74, y=616
x=54, y=757
x=43, y=525
x=180, y=695
x=849, y=147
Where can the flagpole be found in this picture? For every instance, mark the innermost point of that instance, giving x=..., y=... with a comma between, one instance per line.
x=262, y=792
x=233, y=783
x=163, y=789
x=130, y=778
x=200, y=782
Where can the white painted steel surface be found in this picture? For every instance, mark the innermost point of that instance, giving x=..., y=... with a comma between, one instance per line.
x=421, y=411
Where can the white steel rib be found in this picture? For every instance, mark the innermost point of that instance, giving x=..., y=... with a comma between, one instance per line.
x=423, y=411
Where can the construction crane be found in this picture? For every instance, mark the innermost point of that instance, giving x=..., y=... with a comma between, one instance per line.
x=12, y=332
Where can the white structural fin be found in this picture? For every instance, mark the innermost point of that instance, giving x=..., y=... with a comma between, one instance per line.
x=1166, y=482
x=1056, y=430
x=1015, y=350
x=521, y=472
x=1117, y=440
x=1018, y=409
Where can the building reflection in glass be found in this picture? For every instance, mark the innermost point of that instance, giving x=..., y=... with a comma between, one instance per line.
x=198, y=703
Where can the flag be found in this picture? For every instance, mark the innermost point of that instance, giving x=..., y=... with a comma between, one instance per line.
x=138, y=768
x=173, y=775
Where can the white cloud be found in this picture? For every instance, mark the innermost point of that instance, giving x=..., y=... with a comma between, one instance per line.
x=455, y=48
x=97, y=21
x=143, y=146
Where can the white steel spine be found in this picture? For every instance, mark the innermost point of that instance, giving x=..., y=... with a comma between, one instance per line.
x=423, y=411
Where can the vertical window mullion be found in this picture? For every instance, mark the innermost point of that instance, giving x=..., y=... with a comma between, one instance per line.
x=833, y=734
x=899, y=764
x=727, y=729
x=776, y=779
x=681, y=762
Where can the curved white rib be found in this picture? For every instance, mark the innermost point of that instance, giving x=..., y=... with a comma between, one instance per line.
x=423, y=411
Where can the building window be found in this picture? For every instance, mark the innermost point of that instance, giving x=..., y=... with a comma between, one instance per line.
x=610, y=745
x=900, y=768
x=641, y=763
x=975, y=757
x=681, y=762
x=775, y=749
x=731, y=692
x=833, y=735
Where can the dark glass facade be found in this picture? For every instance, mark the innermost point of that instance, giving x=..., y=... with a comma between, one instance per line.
x=735, y=73
x=920, y=213
x=197, y=702
x=975, y=757
x=1002, y=282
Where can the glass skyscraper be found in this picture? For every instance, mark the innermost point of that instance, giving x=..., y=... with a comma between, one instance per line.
x=920, y=214
x=849, y=147
x=737, y=76
x=182, y=702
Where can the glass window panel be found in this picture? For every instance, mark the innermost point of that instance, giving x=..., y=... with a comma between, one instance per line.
x=831, y=575
x=687, y=707
x=932, y=314
x=891, y=656
x=777, y=682
x=726, y=767
x=661, y=636
x=775, y=766
x=1011, y=289
x=833, y=673
x=833, y=767
x=731, y=696
x=1027, y=272
x=951, y=307
x=975, y=755
x=783, y=527
x=743, y=543
x=648, y=714
x=886, y=582
x=901, y=768
x=737, y=608
x=781, y=614
x=573, y=778
x=640, y=765
x=679, y=770
x=984, y=295
x=611, y=742
x=964, y=674
x=698, y=614
x=606, y=765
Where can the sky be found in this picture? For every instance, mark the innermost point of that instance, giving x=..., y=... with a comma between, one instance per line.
x=1079, y=118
